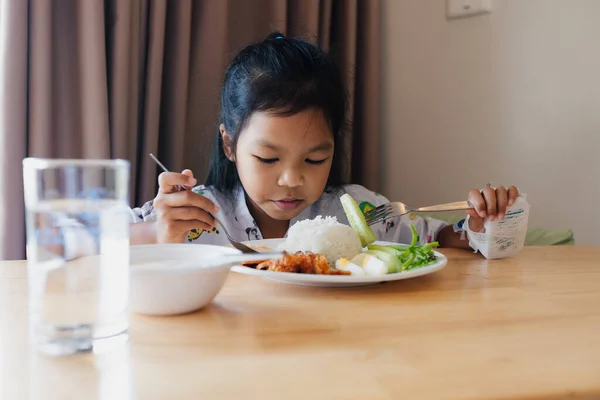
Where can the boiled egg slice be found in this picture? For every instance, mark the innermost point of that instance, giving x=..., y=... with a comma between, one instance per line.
x=343, y=264
x=371, y=265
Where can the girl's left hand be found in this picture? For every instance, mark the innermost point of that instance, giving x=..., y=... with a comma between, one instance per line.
x=490, y=203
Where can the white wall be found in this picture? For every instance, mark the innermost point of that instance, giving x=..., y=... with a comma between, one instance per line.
x=512, y=97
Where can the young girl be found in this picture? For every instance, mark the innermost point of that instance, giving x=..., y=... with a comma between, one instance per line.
x=279, y=159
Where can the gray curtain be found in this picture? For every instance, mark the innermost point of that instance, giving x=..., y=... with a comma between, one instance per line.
x=121, y=79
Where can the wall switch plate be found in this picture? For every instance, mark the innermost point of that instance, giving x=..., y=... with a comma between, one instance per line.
x=467, y=8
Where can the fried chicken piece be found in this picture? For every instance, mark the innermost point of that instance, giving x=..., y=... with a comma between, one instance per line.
x=301, y=263
x=259, y=248
x=298, y=263
x=319, y=262
x=322, y=266
x=262, y=264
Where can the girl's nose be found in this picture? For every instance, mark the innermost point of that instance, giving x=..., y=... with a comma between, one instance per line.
x=291, y=178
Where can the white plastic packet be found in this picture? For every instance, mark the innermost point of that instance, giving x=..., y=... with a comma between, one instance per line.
x=502, y=238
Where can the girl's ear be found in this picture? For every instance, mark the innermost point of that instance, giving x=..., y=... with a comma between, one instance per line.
x=227, y=143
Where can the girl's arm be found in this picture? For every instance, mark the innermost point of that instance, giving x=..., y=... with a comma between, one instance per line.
x=143, y=233
x=142, y=229
x=449, y=239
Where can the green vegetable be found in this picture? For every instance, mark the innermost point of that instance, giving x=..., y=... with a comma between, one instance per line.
x=399, y=248
x=392, y=262
x=407, y=257
x=386, y=249
x=357, y=220
x=418, y=256
x=397, y=258
x=415, y=236
x=406, y=264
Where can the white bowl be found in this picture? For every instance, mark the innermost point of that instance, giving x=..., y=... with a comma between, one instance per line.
x=170, y=279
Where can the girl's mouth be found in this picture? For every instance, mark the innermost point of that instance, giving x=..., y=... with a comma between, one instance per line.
x=288, y=204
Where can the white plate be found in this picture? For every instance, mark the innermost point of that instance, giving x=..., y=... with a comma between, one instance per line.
x=334, y=280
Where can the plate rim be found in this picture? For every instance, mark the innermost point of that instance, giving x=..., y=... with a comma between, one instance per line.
x=349, y=279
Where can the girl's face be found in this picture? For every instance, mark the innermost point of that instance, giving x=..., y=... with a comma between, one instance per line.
x=284, y=161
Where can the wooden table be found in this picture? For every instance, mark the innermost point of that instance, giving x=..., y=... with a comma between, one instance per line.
x=527, y=327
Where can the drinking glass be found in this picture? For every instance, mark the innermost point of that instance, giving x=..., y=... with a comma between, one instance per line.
x=77, y=252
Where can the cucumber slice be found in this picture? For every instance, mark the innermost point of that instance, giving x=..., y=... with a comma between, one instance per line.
x=357, y=220
x=372, y=265
x=399, y=248
x=387, y=249
x=392, y=262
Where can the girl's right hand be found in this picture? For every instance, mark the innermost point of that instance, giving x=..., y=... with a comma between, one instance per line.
x=179, y=211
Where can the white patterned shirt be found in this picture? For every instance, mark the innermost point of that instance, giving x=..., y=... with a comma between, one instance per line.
x=240, y=224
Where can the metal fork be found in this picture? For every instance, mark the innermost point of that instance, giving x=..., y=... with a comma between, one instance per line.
x=238, y=245
x=396, y=208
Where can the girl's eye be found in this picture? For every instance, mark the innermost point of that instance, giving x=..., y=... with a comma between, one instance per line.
x=267, y=160
x=315, y=162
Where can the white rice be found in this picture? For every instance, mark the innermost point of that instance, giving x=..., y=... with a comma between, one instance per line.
x=325, y=236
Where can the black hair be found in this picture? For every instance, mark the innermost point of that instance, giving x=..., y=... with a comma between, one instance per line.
x=283, y=76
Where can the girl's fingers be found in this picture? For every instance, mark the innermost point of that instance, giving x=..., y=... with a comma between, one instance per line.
x=186, y=198
x=489, y=195
x=187, y=172
x=169, y=182
x=501, y=201
x=175, y=228
x=491, y=203
x=478, y=203
x=513, y=193
x=476, y=224
x=473, y=213
x=187, y=214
